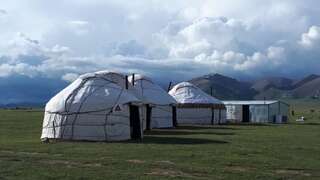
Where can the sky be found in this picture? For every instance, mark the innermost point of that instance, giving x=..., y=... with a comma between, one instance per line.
x=47, y=43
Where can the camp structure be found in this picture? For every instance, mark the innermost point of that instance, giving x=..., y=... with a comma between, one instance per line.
x=159, y=104
x=95, y=107
x=195, y=106
x=263, y=111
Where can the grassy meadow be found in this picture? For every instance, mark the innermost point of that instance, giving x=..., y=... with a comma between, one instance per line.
x=290, y=151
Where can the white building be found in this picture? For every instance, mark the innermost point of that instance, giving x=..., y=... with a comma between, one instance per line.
x=195, y=106
x=257, y=111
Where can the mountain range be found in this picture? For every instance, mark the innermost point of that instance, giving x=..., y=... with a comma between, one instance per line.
x=26, y=91
x=227, y=88
x=21, y=91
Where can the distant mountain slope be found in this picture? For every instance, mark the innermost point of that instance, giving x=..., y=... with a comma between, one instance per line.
x=279, y=87
x=308, y=89
x=28, y=91
x=23, y=90
x=305, y=80
x=273, y=93
x=273, y=82
x=224, y=87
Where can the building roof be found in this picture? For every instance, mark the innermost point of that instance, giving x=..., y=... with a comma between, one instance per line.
x=253, y=102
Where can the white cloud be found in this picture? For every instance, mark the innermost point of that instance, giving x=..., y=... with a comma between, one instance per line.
x=69, y=77
x=163, y=39
x=79, y=27
x=3, y=13
x=20, y=68
x=5, y=70
x=311, y=38
x=205, y=35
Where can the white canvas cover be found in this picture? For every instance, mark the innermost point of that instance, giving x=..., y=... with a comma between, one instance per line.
x=159, y=100
x=186, y=93
x=93, y=107
x=121, y=80
x=201, y=115
x=161, y=116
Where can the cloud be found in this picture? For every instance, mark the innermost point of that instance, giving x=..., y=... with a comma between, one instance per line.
x=202, y=55
x=130, y=48
x=69, y=77
x=20, y=68
x=204, y=35
x=3, y=12
x=311, y=38
x=164, y=39
x=79, y=27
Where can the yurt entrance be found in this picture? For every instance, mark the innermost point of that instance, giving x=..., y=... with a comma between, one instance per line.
x=148, y=116
x=174, y=116
x=135, y=122
x=245, y=113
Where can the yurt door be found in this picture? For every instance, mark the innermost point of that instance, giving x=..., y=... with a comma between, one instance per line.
x=174, y=116
x=245, y=113
x=148, y=116
x=135, y=122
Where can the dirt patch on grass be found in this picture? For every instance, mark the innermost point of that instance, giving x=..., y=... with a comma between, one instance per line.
x=165, y=162
x=60, y=162
x=234, y=168
x=136, y=161
x=29, y=153
x=168, y=173
x=22, y=152
x=92, y=164
x=70, y=164
x=172, y=172
x=293, y=172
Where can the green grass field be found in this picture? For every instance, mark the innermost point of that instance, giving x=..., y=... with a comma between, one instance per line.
x=290, y=151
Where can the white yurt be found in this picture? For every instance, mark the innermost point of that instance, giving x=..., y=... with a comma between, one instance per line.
x=95, y=108
x=159, y=104
x=196, y=107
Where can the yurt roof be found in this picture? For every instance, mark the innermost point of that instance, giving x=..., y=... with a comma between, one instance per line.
x=187, y=93
x=115, y=77
x=90, y=92
x=149, y=91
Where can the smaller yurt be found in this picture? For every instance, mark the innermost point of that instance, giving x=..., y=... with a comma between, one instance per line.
x=95, y=108
x=196, y=107
x=159, y=104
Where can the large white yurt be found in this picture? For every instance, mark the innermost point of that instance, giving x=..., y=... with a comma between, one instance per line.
x=94, y=107
x=159, y=104
x=196, y=107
